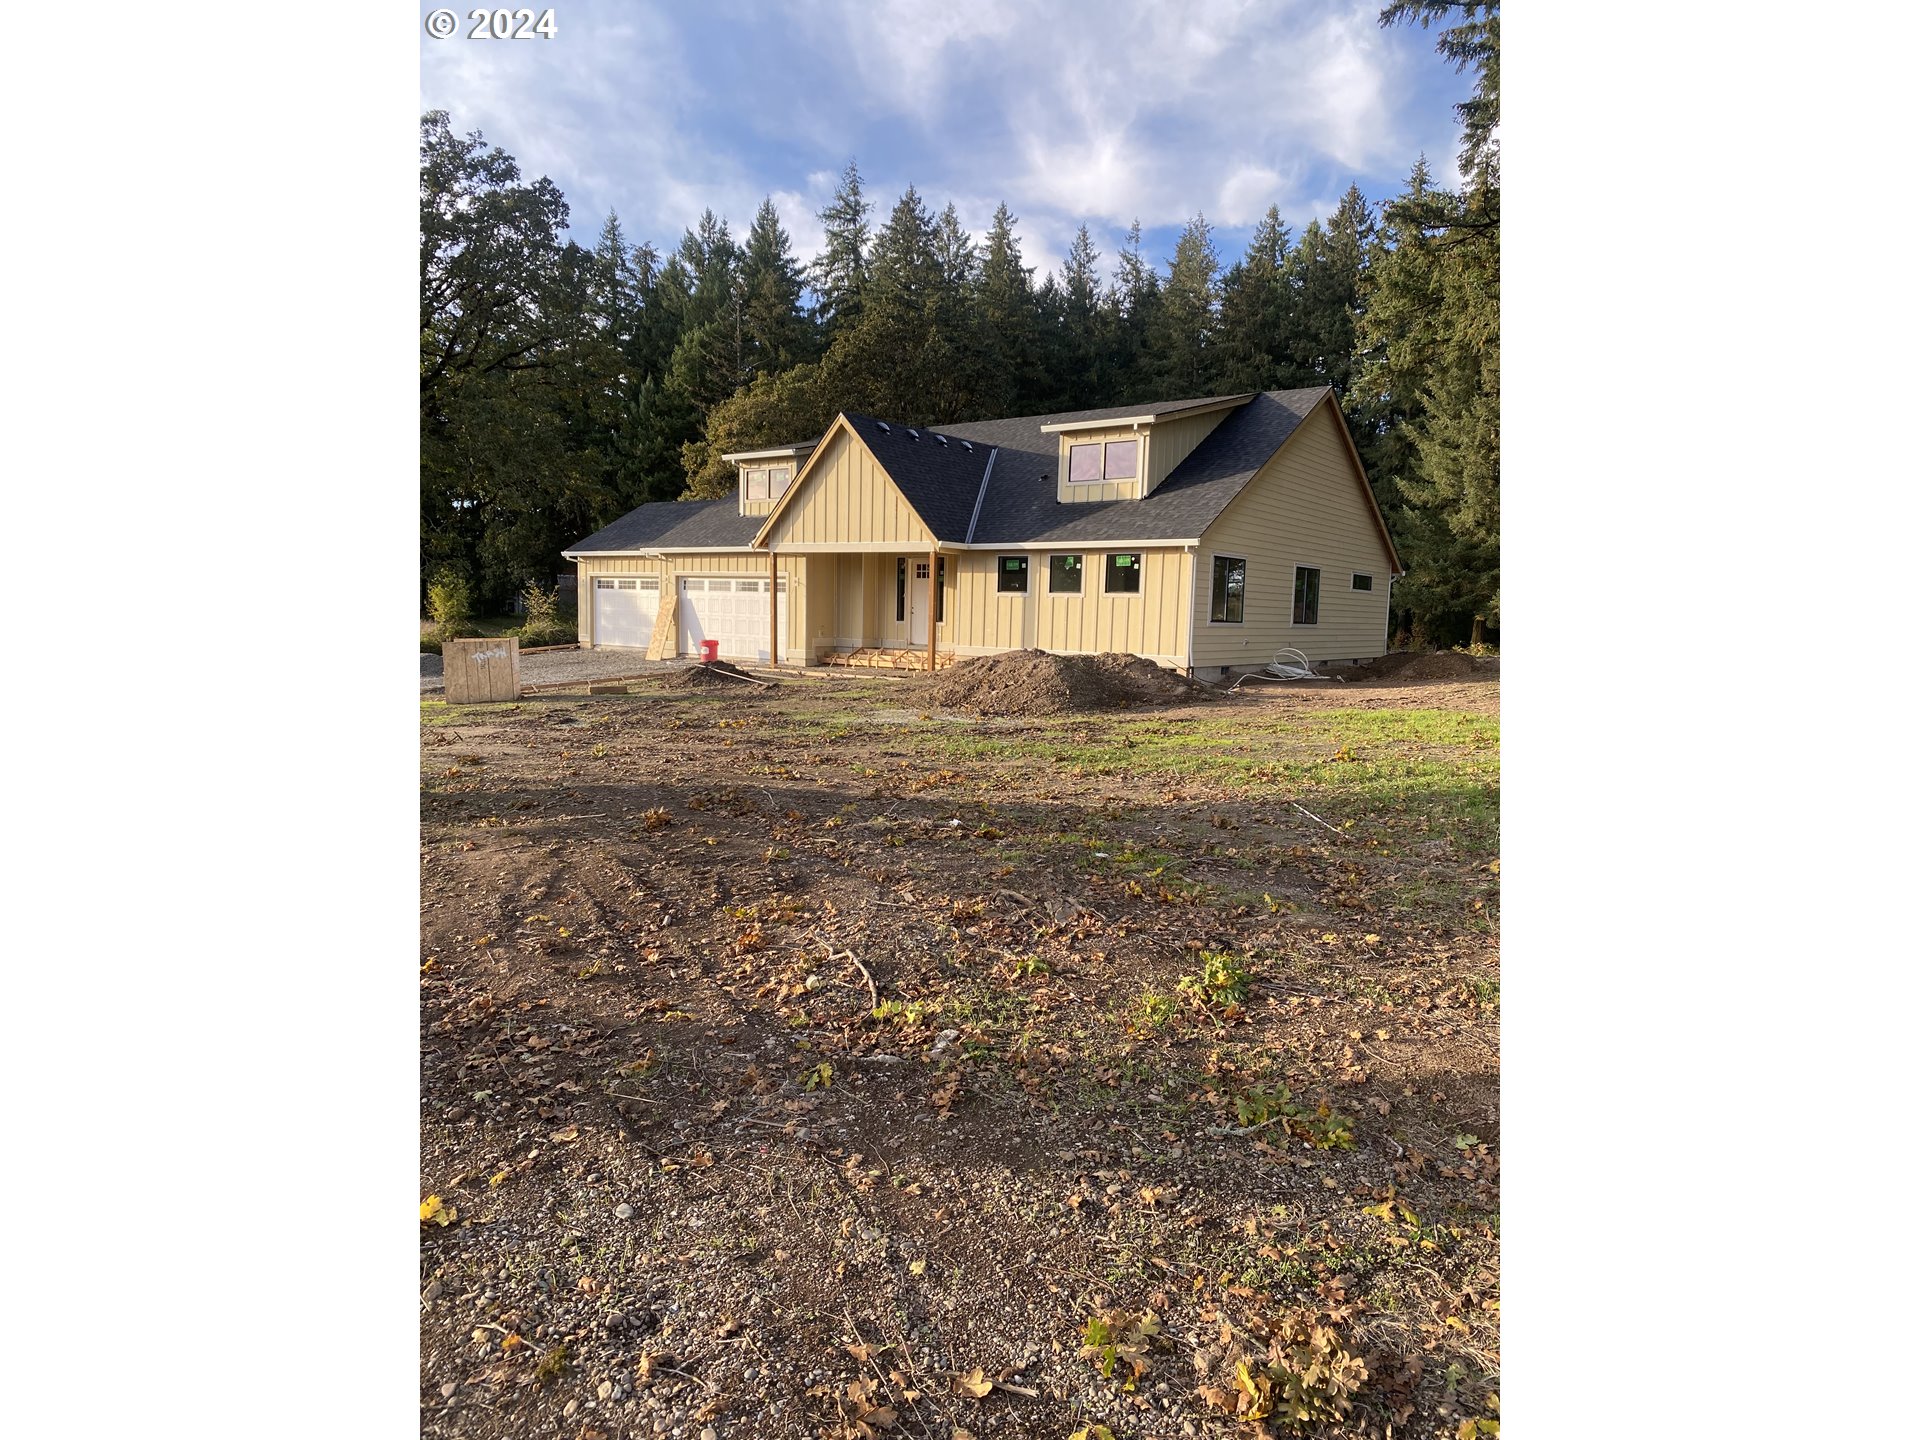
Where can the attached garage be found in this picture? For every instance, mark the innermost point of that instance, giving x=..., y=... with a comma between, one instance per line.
x=728, y=609
x=624, y=608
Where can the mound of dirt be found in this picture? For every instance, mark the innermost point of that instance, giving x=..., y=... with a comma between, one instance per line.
x=1034, y=682
x=720, y=674
x=1428, y=665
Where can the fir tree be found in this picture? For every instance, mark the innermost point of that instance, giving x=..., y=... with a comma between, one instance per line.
x=839, y=274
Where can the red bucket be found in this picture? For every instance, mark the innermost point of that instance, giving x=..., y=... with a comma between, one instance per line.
x=709, y=651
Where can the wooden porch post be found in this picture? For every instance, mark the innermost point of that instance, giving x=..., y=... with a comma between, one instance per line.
x=933, y=603
x=773, y=606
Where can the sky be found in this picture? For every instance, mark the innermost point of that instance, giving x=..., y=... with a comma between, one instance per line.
x=1068, y=111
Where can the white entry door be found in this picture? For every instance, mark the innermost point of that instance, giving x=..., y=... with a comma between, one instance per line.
x=732, y=611
x=624, y=609
x=917, y=602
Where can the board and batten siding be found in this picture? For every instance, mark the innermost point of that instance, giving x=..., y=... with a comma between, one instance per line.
x=1152, y=623
x=847, y=499
x=672, y=568
x=1306, y=506
x=1070, y=494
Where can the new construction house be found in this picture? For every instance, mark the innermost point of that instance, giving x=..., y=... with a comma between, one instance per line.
x=1204, y=534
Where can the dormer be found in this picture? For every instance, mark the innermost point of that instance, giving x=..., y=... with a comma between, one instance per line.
x=764, y=475
x=1128, y=457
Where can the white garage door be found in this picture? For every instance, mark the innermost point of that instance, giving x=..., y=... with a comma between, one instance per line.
x=623, y=610
x=734, y=612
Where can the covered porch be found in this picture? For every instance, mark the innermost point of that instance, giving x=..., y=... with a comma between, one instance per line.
x=872, y=608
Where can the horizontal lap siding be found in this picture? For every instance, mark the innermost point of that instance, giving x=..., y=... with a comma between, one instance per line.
x=848, y=499
x=1307, y=506
x=1173, y=441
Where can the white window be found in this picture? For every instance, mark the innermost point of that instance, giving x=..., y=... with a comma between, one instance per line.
x=1093, y=464
x=768, y=482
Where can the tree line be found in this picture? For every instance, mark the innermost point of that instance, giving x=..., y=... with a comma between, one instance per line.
x=561, y=386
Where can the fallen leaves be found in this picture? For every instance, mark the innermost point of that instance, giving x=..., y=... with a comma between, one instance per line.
x=435, y=1211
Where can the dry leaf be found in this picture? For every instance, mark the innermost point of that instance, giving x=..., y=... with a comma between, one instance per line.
x=976, y=1384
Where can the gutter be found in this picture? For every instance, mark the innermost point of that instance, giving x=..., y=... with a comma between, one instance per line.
x=981, y=498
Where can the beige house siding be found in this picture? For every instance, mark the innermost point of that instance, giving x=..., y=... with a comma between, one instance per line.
x=1069, y=494
x=1307, y=506
x=1153, y=622
x=847, y=499
x=672, y=568
x=1174, y=440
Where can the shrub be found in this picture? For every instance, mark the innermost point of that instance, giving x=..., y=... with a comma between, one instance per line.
x=450, y=604
x=544, y=624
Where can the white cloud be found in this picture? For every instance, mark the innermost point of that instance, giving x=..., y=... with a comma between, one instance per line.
x=1096, y=110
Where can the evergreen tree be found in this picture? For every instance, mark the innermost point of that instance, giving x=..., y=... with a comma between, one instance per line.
x=839, y=274
x=1431, y=338
x=779, y=334
x=1009, y=321
x=1133, y=306
x=1324, y=273
x=1183, y=340
x=1256, y=313
x=1085, y=375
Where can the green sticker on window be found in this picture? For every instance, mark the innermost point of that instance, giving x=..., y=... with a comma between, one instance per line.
x=1123, y=561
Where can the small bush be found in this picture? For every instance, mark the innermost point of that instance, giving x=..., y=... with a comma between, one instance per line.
x=544, y=624
x=1221, y=983
x=450, y=604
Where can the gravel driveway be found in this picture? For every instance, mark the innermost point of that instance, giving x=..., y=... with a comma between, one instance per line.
x=564, y=667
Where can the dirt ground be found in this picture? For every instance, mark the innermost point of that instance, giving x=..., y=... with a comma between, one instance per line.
x=809, y=1061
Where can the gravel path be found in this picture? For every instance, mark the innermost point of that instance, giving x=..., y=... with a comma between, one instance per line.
x=564, y=667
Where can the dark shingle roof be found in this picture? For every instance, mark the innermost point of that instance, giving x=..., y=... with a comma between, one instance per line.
x=942, y=482
x=677, y=525
x=1021, y=509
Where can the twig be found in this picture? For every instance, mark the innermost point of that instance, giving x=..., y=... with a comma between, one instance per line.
x=489, y=1325
x=872, y=990
x=1318, y=821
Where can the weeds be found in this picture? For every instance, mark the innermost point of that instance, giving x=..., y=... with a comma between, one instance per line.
x=1115, y=1337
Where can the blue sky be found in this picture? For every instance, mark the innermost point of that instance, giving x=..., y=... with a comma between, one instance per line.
x=1099, y=112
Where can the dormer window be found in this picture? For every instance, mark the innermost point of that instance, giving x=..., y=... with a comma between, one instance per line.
x=767, y=482
x=1094, y=464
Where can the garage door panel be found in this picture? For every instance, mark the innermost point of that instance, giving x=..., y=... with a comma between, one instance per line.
x=624, y=608
x=730, y=611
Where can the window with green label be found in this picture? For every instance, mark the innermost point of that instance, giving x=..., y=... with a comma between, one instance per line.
x=1123, y=574
x=1063, y=575
x=1013, y=574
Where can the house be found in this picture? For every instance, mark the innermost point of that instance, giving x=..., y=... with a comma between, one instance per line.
x=1204, y=534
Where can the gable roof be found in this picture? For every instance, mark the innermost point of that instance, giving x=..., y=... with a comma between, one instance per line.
x=1016, y=461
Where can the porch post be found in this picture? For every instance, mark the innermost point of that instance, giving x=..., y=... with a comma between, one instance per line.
x=773, y=606
x=933, y=603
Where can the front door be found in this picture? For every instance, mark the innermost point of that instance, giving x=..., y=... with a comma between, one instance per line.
x=917, y=601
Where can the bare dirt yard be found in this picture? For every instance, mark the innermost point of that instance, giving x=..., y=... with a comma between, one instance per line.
x=810, y=1061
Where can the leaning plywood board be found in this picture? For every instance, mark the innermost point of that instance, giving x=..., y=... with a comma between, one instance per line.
x=666, y=624
x=480, y=672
